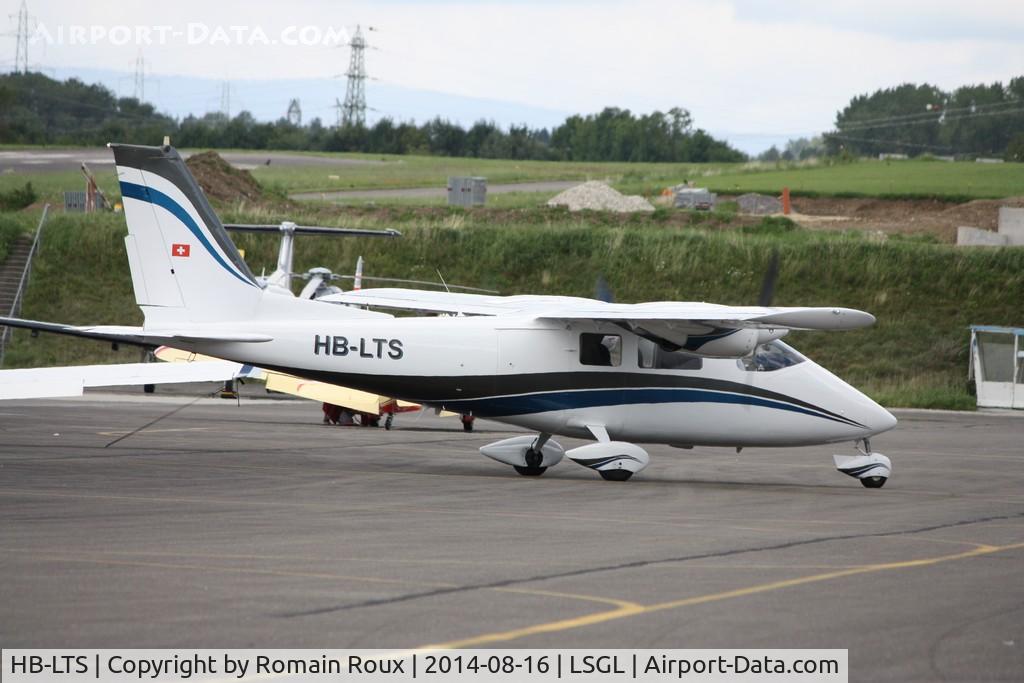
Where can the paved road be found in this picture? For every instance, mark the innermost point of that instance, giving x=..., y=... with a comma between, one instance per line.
x=52, y=159
x=257, y=526
x=422, y=192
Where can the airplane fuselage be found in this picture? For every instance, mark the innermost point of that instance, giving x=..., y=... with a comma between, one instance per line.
x=554, y=377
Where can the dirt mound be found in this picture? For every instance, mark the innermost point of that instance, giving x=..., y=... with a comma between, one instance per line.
x=980, y=213
x=909, y=216
x=222, y=181
x=598, y=196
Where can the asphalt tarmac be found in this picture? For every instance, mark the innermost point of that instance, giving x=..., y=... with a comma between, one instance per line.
x=59, y=159
x=341, y=196
x=256, y=526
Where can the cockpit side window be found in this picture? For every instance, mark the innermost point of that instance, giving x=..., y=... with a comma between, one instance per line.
x=774, y=355
x=650, y=355
x=600, y=349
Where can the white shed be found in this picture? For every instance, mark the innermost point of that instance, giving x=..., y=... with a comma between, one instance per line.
x=997, y=365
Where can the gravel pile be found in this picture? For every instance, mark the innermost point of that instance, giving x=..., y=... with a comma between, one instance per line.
x=597, y=196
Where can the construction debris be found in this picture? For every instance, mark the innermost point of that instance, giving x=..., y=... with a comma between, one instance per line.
x=597, y=196
x=758, y=204
x=694, y=198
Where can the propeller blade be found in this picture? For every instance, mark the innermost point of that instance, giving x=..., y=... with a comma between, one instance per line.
x=771, y=278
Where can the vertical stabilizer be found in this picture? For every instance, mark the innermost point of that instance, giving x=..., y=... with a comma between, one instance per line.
x=184, y=266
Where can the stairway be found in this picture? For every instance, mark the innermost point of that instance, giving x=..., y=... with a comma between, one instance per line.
x=11, y=271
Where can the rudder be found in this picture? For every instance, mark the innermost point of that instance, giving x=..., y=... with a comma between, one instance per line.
x=184, y=266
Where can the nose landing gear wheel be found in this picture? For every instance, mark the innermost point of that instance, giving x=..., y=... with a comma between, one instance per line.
x=615, y=475
x=871, y=468
x=529, y=471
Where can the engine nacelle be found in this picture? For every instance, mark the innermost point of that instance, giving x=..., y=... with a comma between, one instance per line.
x=513, y=451
x=731, y=343
x=615, y=460
x=723, y=343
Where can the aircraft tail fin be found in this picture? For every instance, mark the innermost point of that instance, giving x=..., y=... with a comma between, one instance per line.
x=184, y=266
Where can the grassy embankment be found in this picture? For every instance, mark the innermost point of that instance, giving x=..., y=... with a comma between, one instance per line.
x=924, y=294
x=958, y=181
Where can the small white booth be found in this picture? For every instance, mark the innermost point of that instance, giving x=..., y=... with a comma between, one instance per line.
x=997, y=366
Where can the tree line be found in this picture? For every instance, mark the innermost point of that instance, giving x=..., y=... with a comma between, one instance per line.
x=36, y=109
x=971, y=121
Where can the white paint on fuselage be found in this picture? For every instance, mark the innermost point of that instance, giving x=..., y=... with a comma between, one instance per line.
x=485, y=347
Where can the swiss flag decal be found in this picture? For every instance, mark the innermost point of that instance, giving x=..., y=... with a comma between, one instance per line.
x=180, y=250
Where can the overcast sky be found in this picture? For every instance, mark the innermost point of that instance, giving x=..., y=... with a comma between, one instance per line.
x=746, y=69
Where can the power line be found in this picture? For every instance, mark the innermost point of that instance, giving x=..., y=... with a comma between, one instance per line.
x=898, y=143
x=353, y=111
x=294, y=114
x=937, y=116
x=21, y=42
x=140, y=78
x=225, y=99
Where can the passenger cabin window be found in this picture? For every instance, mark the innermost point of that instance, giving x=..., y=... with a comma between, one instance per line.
x=774, y=355
x=650, y=355
x=600, y=349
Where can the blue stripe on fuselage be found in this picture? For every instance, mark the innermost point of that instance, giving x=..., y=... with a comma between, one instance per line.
x=526, y=404
x=153, y=196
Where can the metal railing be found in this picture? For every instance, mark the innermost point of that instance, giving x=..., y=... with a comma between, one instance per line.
x=5, y=336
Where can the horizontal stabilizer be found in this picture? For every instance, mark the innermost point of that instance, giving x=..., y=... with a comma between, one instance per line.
x=71, y=381
x=137, y=336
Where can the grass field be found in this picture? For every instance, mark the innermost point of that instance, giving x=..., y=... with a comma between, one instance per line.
x=924, y=295
x=958, y=181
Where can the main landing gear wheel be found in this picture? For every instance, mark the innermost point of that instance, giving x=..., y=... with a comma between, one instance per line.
x=615, y=475
x=533, y=468
x=874, y=482
x=388, y=420
x=529, y=455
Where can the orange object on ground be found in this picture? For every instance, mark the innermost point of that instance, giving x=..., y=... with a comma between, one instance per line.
x=786, y=208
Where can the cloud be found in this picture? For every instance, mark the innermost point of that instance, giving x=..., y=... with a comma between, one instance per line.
x=743, y=67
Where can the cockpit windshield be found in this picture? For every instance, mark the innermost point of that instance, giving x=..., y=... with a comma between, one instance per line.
x=774, y=355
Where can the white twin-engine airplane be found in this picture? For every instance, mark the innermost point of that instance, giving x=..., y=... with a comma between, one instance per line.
x=677, y=373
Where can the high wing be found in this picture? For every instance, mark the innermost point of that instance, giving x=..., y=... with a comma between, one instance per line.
x=697, y=316
x=706, y=329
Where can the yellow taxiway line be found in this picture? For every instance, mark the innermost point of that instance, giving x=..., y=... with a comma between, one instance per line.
x=632, y=609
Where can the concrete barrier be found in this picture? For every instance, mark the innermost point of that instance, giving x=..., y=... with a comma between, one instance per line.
x=976, y=237
x=1011, y=225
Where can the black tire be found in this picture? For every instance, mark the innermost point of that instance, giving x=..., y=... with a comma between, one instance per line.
x=874, y=482
x=388, y=420
x=615, y=475
x=534, y=459
x=467, y=425
x=529, y=471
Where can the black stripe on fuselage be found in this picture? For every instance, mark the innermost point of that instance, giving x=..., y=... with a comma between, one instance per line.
x=439, y=390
